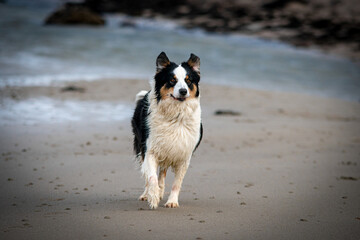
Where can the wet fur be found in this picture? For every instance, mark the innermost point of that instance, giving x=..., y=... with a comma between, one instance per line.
x=167, y=129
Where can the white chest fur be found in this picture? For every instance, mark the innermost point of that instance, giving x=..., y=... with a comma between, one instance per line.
x=174, y=130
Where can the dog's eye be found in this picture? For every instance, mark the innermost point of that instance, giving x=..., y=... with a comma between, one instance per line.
x=173, y=81
x=188, y=81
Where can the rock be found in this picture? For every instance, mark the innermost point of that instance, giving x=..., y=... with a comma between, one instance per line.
x=254, y=27
x=321, y=23
x=75, y=14
x=295, y=7
x=294, y=22
x=274, y=4
x=72, y=88
x=225, y=112
x=183, y=10
x=132, y=7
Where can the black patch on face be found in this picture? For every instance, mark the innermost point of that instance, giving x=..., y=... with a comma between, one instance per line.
x=140, y=126
x=163, y=78
x=194, y=77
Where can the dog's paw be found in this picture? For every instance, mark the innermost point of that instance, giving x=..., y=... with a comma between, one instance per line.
x=153, y=201
x=153, y=196
x=171, y=204
x=143, y=198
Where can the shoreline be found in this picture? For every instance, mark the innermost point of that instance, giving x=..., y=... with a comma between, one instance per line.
x=54, y=88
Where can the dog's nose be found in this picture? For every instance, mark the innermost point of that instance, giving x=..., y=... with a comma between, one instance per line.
x=183, y=91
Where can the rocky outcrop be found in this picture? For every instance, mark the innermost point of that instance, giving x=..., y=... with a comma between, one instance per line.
x=75, y=14
x=132, y=7
x=325, y=23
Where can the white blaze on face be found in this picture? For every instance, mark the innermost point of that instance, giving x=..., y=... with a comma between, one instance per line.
x=180, y=74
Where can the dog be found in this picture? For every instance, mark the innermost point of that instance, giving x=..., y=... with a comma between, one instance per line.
x=167, y=127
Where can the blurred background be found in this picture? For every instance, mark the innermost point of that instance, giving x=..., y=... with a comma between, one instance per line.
x=280, y=45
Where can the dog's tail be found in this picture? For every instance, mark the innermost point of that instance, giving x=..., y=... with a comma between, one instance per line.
x=140, y=96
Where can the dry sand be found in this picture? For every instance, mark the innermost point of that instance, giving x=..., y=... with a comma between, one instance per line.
x=287, y=167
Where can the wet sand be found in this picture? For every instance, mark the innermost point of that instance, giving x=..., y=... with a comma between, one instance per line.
x=285, y=167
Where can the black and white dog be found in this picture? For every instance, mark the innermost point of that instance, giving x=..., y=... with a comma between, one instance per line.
x=167, y=127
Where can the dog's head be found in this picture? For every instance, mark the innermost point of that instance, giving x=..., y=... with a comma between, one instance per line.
x=177, y=82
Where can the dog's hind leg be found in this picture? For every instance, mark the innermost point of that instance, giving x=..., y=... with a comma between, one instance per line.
x=149, y=168
x=180, y=172
x=162, y=176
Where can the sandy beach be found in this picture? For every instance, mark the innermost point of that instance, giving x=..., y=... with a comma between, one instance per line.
x=286, y=166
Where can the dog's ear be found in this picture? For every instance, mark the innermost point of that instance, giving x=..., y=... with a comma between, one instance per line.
x=194, y=63
x=161, y=62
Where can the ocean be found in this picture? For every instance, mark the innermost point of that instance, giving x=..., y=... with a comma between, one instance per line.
x=34, y=54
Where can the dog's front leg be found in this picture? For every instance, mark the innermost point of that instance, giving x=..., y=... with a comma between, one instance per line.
x=162, y=176
x=180, y=171
x=149, y=168
x=143, y=196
